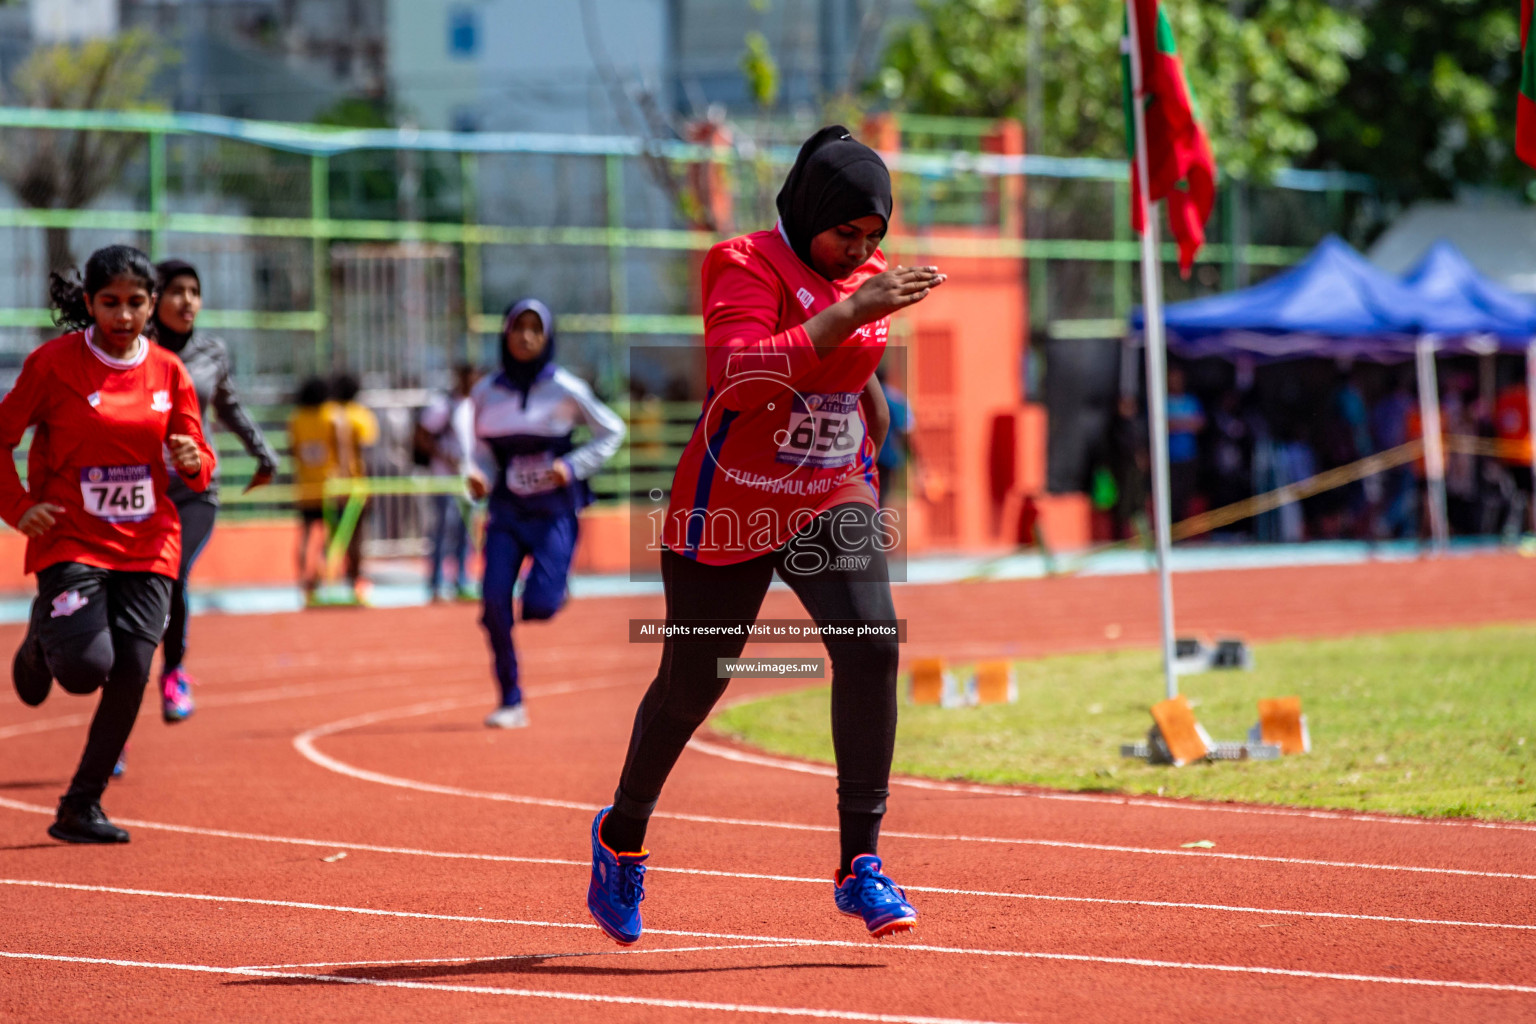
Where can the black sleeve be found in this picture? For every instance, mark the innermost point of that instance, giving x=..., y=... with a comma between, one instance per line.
x=233, y=415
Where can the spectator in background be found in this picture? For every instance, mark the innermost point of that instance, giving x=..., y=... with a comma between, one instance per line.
x=1352, y=408
x=1231, y=455
x=1458, y=420
x=1293, y=463
x=1331, y=513
x=1396, y=514
x=647, y=426
x=1186, y=418
x=1131, y=464
x=1512, y=425
x=445, y=437
x=896, y=453
x=312, y=439
x=357, y=429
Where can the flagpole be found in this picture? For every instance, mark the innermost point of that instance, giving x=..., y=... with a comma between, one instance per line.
x=1157, y=370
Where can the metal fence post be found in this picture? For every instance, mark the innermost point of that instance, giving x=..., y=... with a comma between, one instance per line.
x=319, y=223
x=1229, y=267
x=157, y=190
x=617, y=299
x=474, y=301
x=1122, y=267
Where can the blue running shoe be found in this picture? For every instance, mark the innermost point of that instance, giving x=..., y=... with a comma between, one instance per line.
x=868, y=894
x=617, y=887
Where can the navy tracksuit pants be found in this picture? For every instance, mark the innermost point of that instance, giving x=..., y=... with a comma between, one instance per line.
x=550, y=542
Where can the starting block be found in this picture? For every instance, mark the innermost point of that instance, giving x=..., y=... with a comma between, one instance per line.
x=1176, y=735
x=1177, y=738
x=1232, y=652
x=1191, y=654
x=995, y=683
x=1282, y=724
x=934, y=683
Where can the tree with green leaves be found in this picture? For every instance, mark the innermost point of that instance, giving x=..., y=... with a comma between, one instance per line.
x=1258, y=70
x=52, y=169
x=1430, y=103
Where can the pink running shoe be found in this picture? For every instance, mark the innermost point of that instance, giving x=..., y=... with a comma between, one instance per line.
x=176, y=695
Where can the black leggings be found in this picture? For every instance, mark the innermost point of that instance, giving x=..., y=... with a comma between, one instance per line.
x=687, y=684
x=197, y=517
x=98, y=629
x=117, y=663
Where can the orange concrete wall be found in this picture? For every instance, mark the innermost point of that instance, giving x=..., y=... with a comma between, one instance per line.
x=980, y=447
x=967, y=342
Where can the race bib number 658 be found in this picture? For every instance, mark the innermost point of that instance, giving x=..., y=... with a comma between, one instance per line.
x=824, y=431
x=118, y=494
x=531, y=474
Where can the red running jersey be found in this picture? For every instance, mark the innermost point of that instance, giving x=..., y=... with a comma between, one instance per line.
x=782, y=436
x=99, y=453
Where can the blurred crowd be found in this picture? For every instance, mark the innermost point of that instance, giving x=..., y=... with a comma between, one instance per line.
x=1231, y=439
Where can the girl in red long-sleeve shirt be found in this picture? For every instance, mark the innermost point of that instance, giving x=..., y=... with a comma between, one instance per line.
x=114, y=415
x=779, y=479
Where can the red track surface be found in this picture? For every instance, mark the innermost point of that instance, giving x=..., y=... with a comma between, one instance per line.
x=461, y=893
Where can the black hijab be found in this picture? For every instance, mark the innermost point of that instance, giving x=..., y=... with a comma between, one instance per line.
x=166, y=272
x=519, y=374
x=836, y=179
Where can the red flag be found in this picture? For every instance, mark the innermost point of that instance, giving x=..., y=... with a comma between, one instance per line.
x=1180, y=163
x=1525, y=103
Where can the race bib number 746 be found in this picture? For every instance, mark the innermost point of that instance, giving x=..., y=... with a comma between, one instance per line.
x=824, y=431
x=118, y=494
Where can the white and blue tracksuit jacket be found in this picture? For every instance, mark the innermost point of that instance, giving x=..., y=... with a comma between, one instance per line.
x=517, y=441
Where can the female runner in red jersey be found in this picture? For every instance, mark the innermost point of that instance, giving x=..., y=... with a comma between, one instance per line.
x=779, y=476
x=102, y=535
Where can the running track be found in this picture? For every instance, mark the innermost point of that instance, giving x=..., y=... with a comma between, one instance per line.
x=459, y=895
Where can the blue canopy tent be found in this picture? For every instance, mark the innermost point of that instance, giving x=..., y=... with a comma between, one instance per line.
x=1333, y=303
x=1447, y=278
x=1337, y=304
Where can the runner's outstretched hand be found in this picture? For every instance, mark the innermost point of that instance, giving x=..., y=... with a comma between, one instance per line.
x=184, y=454
x=477, y=485
x=894, y=290
x=39, y=519
x=263, y=476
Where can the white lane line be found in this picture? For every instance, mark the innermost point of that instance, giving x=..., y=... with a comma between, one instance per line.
x=769, y=941
x=523, y=956
x=506, y=858
x=304, y=743
x=230, y=699
x=527, y=993
x=222, y=699
x=375, y=963
x=43, y=726
x=729, y=753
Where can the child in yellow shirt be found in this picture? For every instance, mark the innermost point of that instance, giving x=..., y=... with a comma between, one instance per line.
x=312, y=437
x=357, y=428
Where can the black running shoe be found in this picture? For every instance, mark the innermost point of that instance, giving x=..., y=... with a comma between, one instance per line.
x=30, y=672
x=80, y=822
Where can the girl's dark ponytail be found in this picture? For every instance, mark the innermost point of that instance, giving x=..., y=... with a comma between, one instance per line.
x=67, y=289
x=66, y=294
